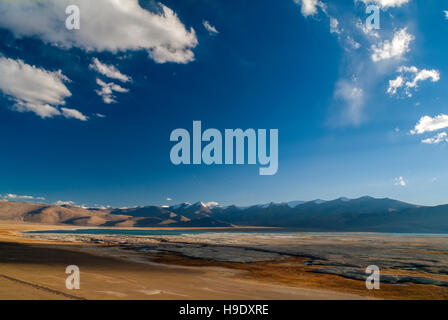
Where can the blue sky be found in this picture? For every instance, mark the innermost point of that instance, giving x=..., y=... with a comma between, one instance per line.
x=86, y=115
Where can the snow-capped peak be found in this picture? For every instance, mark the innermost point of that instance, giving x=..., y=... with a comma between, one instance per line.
x=181, y=205
x=293, y=204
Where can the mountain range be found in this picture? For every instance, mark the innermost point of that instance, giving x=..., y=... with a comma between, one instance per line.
x=342, y=214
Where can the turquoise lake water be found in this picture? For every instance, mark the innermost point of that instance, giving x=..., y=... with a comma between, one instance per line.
x=176, y=232
x=140, y=232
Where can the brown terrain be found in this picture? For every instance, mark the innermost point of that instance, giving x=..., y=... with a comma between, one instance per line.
x=208, y=266
x=52, y=215
x=78, y=216
x=31, y=269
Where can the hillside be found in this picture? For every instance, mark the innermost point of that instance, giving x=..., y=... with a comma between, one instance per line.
x=362, y=214
x=340, y=214
x=72, y=215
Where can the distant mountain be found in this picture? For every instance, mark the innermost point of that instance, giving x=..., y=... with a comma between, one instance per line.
x=342, y=214
x=193, y=211
x=412, y=220
x=294, y=204
x=183, y=215
x=338, y=215
x=51, y=214
x=151, y=216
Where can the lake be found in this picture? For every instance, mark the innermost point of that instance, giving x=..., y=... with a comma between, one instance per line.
x=176, y=232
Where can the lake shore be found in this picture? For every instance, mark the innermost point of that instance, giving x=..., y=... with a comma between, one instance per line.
x=211, y=266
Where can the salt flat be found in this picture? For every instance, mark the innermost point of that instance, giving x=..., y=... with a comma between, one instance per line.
x=235, y=265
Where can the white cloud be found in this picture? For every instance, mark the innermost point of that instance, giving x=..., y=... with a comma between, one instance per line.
x=413, y=76
x=106, y=25
x=72, y=113
x=429, y=124
x=64, y=203
x=366, y=30
x=334, y=25
x=33, y=89
x=446, y=14
x=440, y=137
x=309, y=7
x=42, y=110
x=400, y=182
x=423, y=75
x=108, y=70
x=352, y=43
x=169, y=199
x=354, y=100
x=99, y=115
x=11, y=196
x=108, y=89
x=100, y=207
x=211, y=29
x=393, y=49
x=411, y=69
x=385, y=4
x=395, y=84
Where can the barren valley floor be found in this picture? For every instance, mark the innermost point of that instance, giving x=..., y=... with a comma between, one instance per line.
x=220, y=265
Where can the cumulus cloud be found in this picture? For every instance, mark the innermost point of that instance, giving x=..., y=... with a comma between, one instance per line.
x=429, y=124
x=309, y=7
x=392, y=49
x=107, y=91
x=210, y=28
x=446, y=14
x=399, y=181
x=409, y=79
x=423, y=75
x=386, y=4
x=440, y=137
x=118, y=25
x=395, y=84
x=12, y=196
x=169, y=199
x=72, y=113
x=99, y=115
x=108, y=70
x=34, y=89
x=411, y=69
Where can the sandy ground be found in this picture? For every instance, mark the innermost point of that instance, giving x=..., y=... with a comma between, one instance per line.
x=219, y=266
x=32, y=269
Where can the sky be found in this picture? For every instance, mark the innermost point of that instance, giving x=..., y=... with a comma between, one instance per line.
x=86, y=114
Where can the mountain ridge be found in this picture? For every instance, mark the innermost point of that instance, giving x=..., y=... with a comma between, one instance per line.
x=341, y=214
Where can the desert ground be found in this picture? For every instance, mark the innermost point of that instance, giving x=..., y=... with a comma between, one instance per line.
x=219, y=265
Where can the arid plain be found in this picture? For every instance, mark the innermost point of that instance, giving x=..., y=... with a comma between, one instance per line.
x=219, y=265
